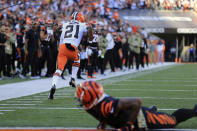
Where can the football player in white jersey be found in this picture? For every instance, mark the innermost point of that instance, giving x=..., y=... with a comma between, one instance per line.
x=71, y=36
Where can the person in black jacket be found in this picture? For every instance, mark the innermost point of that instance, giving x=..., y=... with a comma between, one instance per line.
x=32, y=51
x=3, y=39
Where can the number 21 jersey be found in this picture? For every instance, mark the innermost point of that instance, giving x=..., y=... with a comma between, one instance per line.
x=72, y=32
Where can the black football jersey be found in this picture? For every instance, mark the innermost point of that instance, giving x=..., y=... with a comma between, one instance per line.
x=105, y=111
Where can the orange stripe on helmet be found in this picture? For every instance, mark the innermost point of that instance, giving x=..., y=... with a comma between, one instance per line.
x=93, y=86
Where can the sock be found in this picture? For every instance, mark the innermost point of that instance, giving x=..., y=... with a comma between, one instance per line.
x=56, y=77
x=74, y=71
x=183, y=114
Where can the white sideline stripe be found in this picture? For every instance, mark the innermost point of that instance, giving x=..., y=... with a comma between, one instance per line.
x=158, y=80
x=174, y=129
x=54, y=95
x=23, y=102
x=31, y=87
x=18, y=104
x=7, y=110
x=167, y=109
x=164, y=98
x=28, y=99
x=57, y=95
x=190, y=85
x=152, y=90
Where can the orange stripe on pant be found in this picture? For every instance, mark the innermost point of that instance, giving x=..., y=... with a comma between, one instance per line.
x=65, y=54
x=150, y=118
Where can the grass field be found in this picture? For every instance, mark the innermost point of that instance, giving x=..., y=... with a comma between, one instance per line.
x=169, y=89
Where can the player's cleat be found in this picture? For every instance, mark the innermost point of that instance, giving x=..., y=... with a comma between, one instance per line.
x=72, y=82
x=153, y=108
x=52, y=92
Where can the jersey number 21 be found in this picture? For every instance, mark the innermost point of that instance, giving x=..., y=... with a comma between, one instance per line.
x=70, y=31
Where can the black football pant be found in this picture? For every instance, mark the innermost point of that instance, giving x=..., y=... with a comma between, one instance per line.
x=21, y=59
x=108, y=57
x=93, y=63
x=142, y=55
x=133, y=54
x=82, y=67
x=54, y=52
x=33, y=61
x=117, y=60
x=126, y=58
x=46, y=57
x=2, y=58
x=8, y=64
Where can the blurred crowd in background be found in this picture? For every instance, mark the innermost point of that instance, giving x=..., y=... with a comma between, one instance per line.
x=30, y=32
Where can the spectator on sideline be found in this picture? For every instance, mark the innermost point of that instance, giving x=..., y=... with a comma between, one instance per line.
x=3, y=39
x=135, y=42
x=35, y=11
x=32, y=51
x=191, y=53
x=102, y=50
x=152, y=52
x=144, y=52
x=160, y=48
x=109, y=52
x=9, y=51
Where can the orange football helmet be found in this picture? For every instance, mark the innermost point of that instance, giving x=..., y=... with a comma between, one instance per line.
x=77, y=16
x=89, y=93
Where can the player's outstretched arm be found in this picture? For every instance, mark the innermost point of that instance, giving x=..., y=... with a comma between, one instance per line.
x=130, y=104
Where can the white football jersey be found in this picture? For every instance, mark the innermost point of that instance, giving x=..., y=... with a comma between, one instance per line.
x=72, y=32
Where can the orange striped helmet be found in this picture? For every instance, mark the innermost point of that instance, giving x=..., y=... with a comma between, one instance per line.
x=89, y=93
x=77, y=16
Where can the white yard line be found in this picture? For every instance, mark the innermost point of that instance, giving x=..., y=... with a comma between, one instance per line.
x=164, y=98
x=28, y=99
x=191, y=85
x=23, y=102
x=7, y=110
x=147, y=90
x=1, y=113
x=66, y=108
x=161, y=80
x=17, y=104
x=26, y=88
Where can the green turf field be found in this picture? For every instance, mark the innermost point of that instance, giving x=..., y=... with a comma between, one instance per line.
x=168, y=88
